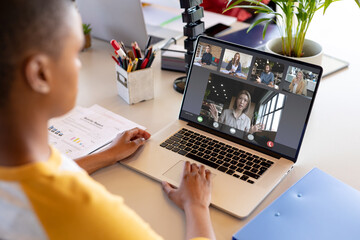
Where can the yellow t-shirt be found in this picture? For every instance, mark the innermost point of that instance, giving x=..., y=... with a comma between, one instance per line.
x=58, y=200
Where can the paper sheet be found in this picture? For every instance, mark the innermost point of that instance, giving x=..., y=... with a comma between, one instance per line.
x=84, y=130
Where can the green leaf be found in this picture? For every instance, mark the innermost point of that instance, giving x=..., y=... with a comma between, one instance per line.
x=252, y=7
x=327, y=4
x=254, y=2
x=265, y=28
x=257, y=22
x=358, y=2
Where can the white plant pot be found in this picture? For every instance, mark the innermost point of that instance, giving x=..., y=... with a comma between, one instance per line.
x=313, y=51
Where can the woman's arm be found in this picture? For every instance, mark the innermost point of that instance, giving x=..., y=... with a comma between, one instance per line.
x=214, y=113
x=304, y=92
x=228, y=67
x=122, y=146
x=238, y=70
x=194, y=196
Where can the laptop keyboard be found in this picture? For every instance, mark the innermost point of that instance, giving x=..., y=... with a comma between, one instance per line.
x=231, y=160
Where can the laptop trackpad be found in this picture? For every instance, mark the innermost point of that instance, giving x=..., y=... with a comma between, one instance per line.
x=175, y=172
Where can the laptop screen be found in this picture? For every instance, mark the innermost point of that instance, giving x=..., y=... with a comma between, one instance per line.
x=258, y=99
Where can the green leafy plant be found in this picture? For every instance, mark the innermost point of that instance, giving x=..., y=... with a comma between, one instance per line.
x=293, y=22
x=86, y=28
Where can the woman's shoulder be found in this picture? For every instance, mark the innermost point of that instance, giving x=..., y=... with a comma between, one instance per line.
x=227, y=111
x=243, y=115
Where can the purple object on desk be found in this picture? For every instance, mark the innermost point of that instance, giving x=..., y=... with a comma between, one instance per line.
x=254, y=38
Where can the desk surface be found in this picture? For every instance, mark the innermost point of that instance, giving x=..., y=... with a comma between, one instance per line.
x=330, y=143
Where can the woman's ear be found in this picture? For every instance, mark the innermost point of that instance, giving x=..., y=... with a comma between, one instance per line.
x=37, y=73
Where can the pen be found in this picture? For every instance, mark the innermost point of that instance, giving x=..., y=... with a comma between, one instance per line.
x=134, y=50
x=144, y=63
x=131, y=55
x=151, y=59
x=129, y=68
x=125, y=63
x=135, y=65
x=148, y=54
x=118, y=63
x=139, y=64
x=137, y=49
x=148, y=42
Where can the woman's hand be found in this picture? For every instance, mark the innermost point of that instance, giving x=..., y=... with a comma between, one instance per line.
x=127, y=143
x=214, y=112
x=122, y=146
x=194, y=190
x=193, y=196
x=256, y=128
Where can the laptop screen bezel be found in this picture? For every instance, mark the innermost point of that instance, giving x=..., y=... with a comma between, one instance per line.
x=238, y=140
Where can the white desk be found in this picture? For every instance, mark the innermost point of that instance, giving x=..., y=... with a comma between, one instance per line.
x=331, y=142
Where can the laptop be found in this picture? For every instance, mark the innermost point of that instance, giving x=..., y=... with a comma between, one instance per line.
x=243, y=115
x=124, y=21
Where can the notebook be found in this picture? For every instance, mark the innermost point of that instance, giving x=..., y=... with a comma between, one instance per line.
x=243, y=115
x=317, y=207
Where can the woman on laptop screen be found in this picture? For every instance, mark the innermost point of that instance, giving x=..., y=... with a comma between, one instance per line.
x=237, y=117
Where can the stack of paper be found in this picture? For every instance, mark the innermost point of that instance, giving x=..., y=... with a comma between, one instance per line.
x=85, y=130
x=173, y=58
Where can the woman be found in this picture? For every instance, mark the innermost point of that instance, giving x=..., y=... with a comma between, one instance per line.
x=237, y=117
x=234, y=66
x=43, y=194
x=298, y=84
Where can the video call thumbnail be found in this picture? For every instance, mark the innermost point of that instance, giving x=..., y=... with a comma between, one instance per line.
x=267, y=73
x=300, y=81
x=241, y=109
x=236, y=64
x=207, y=56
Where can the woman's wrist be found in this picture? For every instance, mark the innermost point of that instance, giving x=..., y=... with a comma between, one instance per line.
x=196, y=208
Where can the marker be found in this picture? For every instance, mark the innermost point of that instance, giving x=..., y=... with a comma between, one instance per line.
x=115, y=44
x=123, y=46
x=121, y=53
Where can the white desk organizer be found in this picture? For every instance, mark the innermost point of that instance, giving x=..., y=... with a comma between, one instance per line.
x=135, y=86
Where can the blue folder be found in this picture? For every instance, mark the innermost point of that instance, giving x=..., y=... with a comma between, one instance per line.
x=317, y=207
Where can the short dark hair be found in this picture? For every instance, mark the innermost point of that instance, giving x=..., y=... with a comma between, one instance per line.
x=28, y=25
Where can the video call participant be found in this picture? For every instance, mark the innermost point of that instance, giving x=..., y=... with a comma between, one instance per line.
x=234, y=66
x=266, y=77
x=298, y=84
x=43, y=194
x=207, y=56
x=237, y=117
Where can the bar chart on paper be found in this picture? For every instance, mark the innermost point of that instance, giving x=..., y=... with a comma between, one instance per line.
x=84, y=130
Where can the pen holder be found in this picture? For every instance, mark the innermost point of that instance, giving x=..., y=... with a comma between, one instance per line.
x=135, y=86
